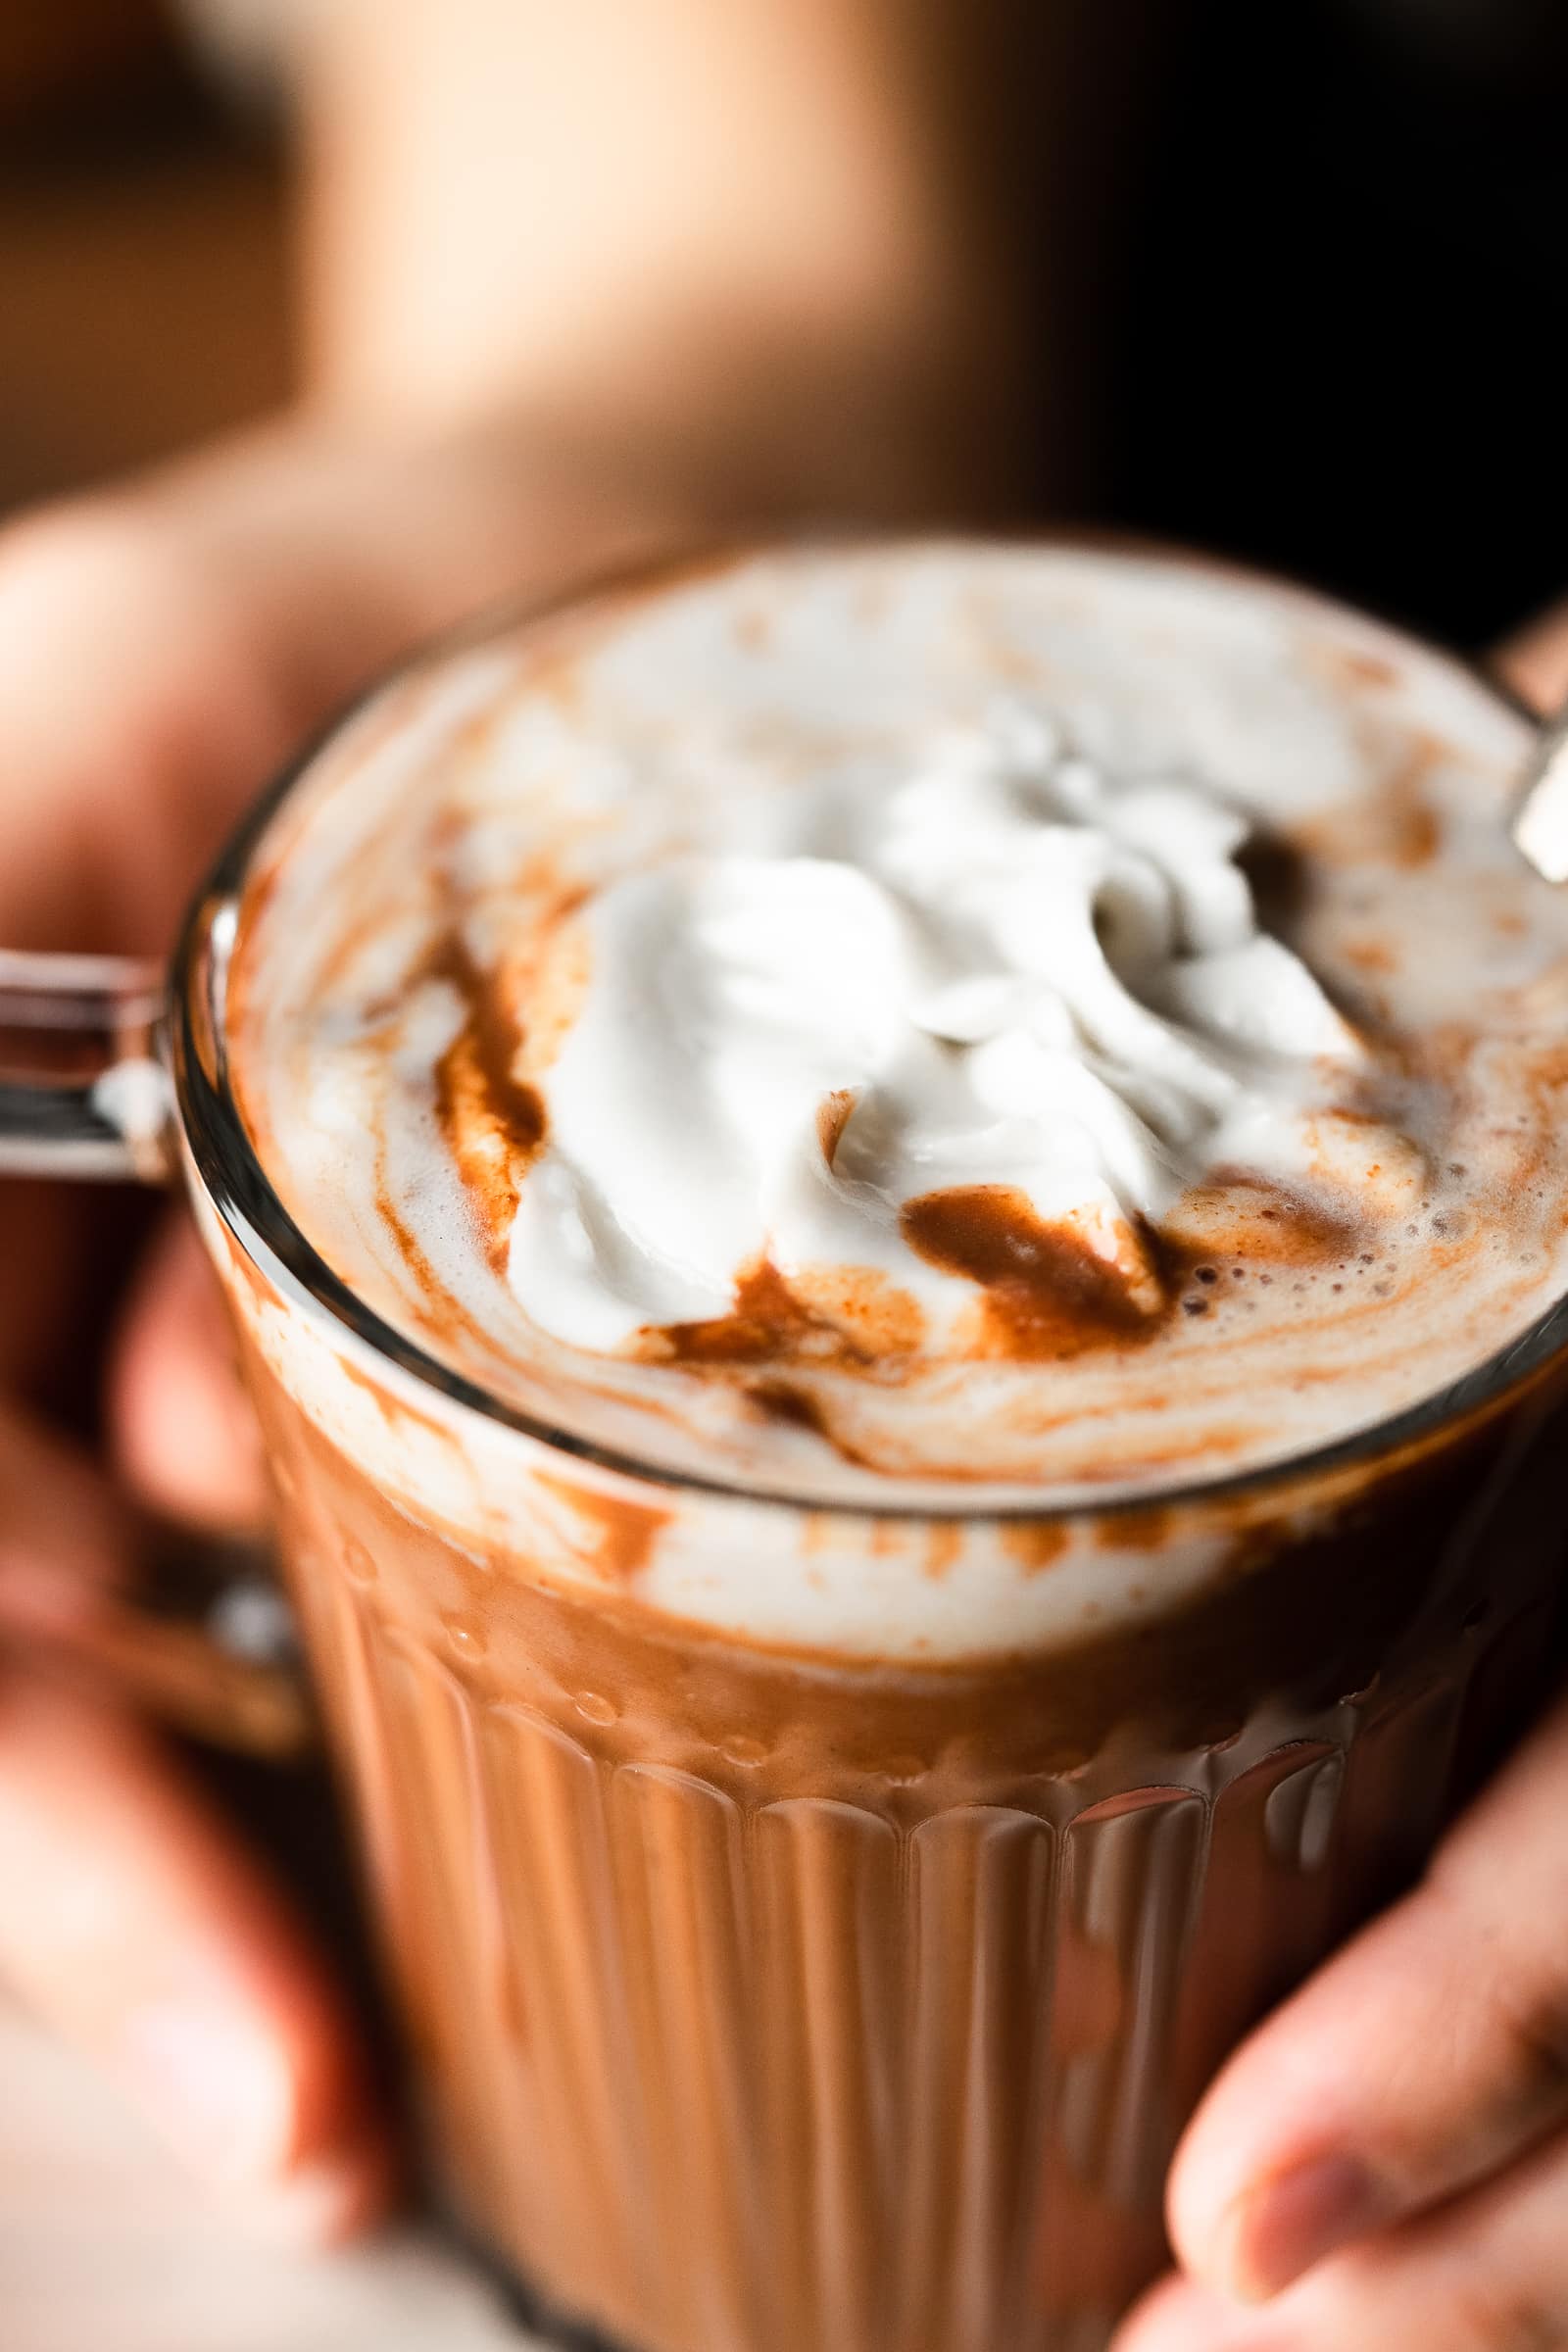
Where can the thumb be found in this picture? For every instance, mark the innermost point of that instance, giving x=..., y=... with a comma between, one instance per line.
x=1428, y=2054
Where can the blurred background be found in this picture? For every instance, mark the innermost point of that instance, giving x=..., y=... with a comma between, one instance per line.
x=144, y=250
x=1319, y=295
x=1310, y=251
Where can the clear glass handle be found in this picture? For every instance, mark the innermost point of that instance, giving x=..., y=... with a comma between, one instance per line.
x=202, y=1641
x=82, y=1090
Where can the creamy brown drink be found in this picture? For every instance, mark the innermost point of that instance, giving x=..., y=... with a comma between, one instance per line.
x=921, y=1124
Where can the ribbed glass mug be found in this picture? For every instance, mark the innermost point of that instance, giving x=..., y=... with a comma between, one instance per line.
x=763, y=2000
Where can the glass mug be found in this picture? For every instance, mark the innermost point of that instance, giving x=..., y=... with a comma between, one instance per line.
x=763, y=2000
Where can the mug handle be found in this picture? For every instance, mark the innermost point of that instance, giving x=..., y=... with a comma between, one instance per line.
x=207, y=1643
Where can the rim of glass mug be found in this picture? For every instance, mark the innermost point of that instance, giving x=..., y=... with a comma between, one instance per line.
x=243, y=1196
x=110, y=1126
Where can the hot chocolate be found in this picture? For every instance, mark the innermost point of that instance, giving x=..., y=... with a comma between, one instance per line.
x=921, y=1124
x=838, y=985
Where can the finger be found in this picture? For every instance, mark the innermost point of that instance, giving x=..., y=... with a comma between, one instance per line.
x=222, y=608
x=1535, y=663
x=1179, y=2316
x=183, y=1434
x=1431, y=2051
x=117, y=796
x=133, y=1925
x=63, y=1535
x=1487, y=2273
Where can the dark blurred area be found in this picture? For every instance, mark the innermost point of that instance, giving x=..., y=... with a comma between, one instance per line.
x=144, y=295
x=1327, y=307
x=1333, y=350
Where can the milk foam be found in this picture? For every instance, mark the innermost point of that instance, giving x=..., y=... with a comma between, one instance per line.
x=948, y=838
x=1002, y=967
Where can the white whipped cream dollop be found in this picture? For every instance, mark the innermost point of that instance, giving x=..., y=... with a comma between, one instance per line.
x=1005, y=967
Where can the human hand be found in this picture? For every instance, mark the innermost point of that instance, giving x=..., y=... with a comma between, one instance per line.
x=1383, y=2165
x=161, y=649
x=1394, y=2139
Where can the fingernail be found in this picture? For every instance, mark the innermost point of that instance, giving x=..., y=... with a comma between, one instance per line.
x=221, y=2093
x=1275, y=2233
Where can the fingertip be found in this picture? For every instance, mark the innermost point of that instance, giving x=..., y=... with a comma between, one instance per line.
x=1206, y=2199
x=229, y=2096
x=1178, y=2315
x=1266, y=2180
x=278, y=2130
x=216, y=2083
x=184, y=1434
x=342, y=2196
x=1535, y=662
x=1281, y=2228
x=154, y=1942
x=349, y=2198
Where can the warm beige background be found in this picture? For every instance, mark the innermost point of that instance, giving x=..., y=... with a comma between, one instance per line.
x=104, y=2247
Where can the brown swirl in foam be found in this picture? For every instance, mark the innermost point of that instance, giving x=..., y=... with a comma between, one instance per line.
x=797, y=1407
x=493, y=1121
x=850, y=1317
x=491, y=1112
x=624, y=1532
x=1048, y=1293
x=1043, y=1294
x=1245, y=1218
x=832, y=1118
x=1035, y=1544
x=1397, y=826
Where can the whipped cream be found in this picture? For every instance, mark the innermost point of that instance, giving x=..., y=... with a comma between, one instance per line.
x=640, y=1009
x=1006, y=967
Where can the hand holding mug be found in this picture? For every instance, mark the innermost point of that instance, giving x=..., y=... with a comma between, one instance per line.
x=163, y=649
